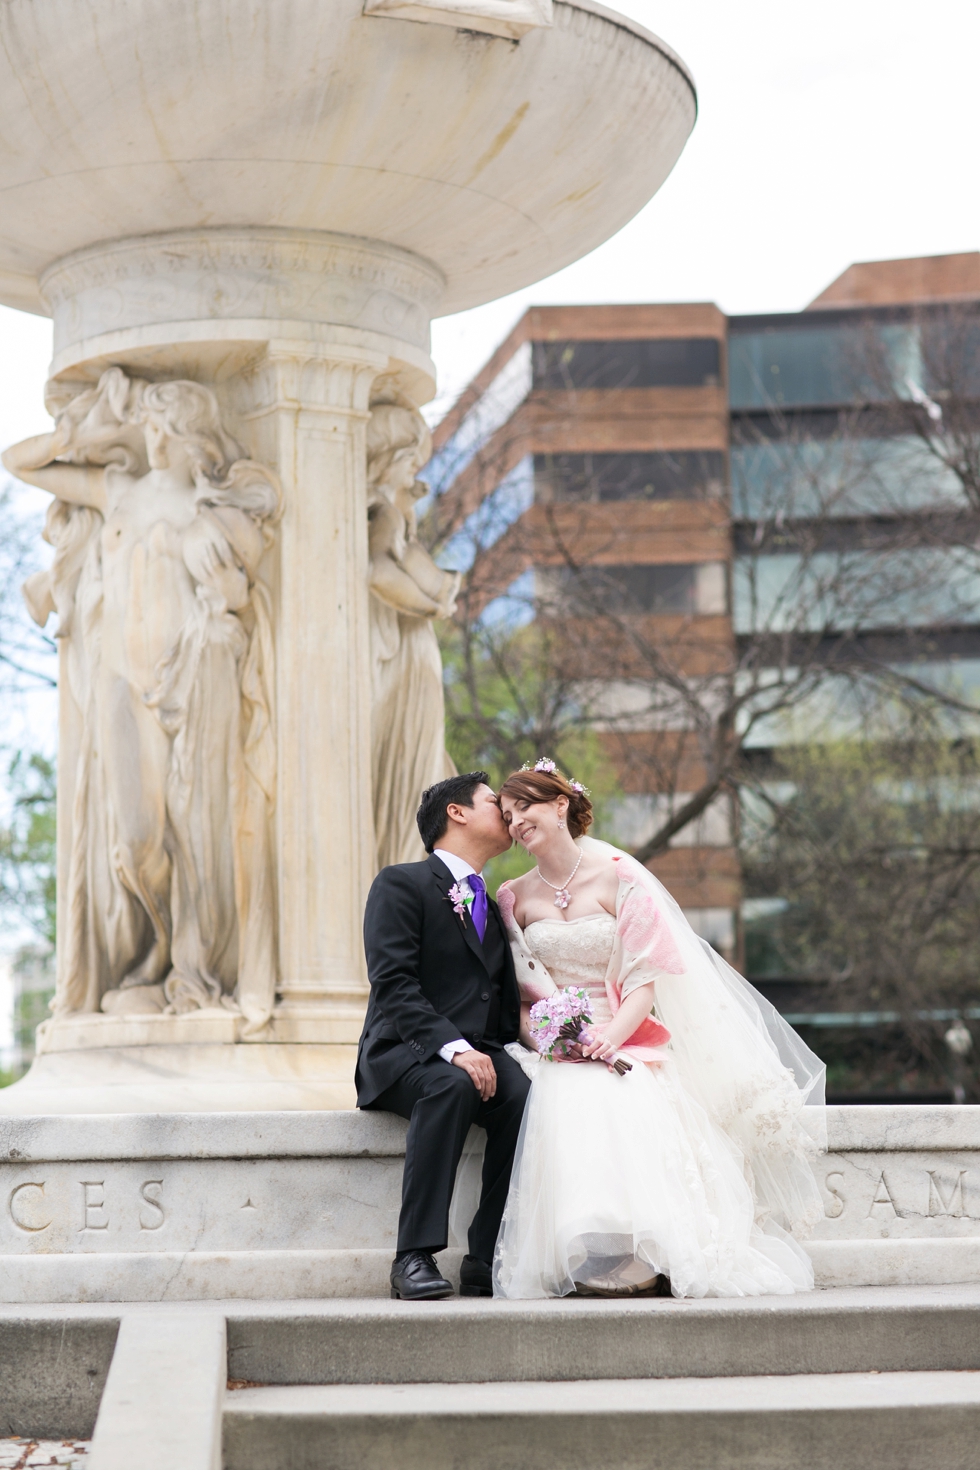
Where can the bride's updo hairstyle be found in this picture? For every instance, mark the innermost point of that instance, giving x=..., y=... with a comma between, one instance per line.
x=546, y=783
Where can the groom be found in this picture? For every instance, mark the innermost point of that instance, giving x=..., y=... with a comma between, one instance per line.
x=444, y=1000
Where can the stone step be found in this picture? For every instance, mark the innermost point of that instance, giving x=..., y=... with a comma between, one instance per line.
x=848, y=1331
x=888, y=1421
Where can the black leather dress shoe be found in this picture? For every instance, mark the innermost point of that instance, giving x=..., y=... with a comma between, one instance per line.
x=415, y=1278
x=474, y=1277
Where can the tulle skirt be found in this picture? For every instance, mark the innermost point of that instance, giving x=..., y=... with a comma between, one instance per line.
x=618, y=1179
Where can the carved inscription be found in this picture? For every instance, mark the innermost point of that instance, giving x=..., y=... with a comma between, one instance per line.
x=939, y=1203
x=94, y=1215
x=835, y=1205
x=102, y=1205
x=907, y=1194
x=883, y=1197
x=152, y=1214
x=20, y=1208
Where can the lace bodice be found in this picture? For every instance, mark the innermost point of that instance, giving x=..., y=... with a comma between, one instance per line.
x=576, y=952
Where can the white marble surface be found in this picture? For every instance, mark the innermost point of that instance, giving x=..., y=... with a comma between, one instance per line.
x=306, y=1204
x=160, y=522
x=879, y=1195
x=252, y=1135
x=510, y=18
x=851, y=1129
x=218, y=1206
x=190, y=1074
x=408, y=593
x=476, y=155
x=243, y=282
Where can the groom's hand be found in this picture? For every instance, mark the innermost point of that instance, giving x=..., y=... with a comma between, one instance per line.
x=482, y=1072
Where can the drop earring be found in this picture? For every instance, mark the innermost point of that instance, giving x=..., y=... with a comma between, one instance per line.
x=561, y=824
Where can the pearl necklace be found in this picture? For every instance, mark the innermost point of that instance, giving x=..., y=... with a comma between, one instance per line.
x=562, y=896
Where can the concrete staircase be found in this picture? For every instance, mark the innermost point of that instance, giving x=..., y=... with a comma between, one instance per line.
x=865, y=1377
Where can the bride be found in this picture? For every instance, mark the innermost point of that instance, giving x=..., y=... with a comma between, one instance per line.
x=689, y=1174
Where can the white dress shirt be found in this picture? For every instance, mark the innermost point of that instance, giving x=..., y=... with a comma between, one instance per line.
x=460, y=870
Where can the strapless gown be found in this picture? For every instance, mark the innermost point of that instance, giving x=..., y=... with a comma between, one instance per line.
x=617, y=1179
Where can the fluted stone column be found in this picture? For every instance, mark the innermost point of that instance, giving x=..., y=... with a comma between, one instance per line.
x=306, y=408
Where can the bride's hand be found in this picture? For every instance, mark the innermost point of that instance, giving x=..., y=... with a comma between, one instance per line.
x=573, y=1052
x=598, y=1049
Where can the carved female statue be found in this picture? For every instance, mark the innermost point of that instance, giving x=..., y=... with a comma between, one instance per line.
x=408, y=591
x=159, y=525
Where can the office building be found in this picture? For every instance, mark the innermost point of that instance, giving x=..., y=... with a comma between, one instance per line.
x=648, y=444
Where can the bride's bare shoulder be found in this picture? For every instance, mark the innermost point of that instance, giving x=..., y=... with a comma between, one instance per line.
x=605, y=874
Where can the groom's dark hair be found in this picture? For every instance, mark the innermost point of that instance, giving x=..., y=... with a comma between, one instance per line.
x=433, y=813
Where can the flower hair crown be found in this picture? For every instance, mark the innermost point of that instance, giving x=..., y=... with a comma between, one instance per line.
x=549, y=768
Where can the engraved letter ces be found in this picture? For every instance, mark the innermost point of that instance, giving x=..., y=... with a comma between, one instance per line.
x=18, y=1208
x=150, y=1193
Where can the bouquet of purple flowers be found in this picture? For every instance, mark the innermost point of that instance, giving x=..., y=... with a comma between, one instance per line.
x=560, y=1020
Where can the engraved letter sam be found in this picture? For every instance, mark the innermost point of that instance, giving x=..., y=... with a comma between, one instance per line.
x=835, y=1205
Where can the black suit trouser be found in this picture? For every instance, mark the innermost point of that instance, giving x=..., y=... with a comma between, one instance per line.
x=441, y=1104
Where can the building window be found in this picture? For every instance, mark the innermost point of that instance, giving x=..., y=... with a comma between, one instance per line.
x=805, y=366
x=666, y=362
x=675, y=475
x=661, y=588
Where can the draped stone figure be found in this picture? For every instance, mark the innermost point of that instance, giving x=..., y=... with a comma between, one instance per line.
x=159, y=524
x=408, y=592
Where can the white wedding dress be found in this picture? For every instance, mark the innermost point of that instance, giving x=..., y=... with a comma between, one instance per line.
x=617, y=1179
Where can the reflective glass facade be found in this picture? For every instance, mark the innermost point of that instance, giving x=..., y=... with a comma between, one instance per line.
x=658, y=588
x=802, y=361
x=803, y=474
x=667, y=475
x=665, y=362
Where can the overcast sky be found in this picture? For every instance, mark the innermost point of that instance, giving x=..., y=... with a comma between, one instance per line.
x=832, y=132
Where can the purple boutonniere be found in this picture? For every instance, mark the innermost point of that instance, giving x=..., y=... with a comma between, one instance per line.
x=460, y=901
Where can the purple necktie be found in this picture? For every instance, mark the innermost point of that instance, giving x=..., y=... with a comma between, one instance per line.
x=478, y=913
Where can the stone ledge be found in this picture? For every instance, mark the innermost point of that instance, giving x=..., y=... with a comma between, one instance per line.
x=350, y=1133
x=873, y=1129
x=303, y=1204
x=118, y=1136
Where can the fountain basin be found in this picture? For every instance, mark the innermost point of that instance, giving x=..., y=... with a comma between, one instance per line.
x=493, y=161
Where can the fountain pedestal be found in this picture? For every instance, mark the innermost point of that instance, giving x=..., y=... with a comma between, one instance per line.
x=276, y=212
x=294, y=1205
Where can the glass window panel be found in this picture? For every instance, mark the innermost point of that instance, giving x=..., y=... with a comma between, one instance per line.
x=664, y=362
x=638, y=588
x=820, y=364
x=838, y=477
x=675, y=475
x=854, y=590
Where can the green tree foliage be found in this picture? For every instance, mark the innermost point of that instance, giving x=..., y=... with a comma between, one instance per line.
x=505, y=705
x=869, y=850
x=27, y=846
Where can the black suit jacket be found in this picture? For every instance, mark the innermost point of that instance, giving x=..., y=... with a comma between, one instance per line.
x=428, y=974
